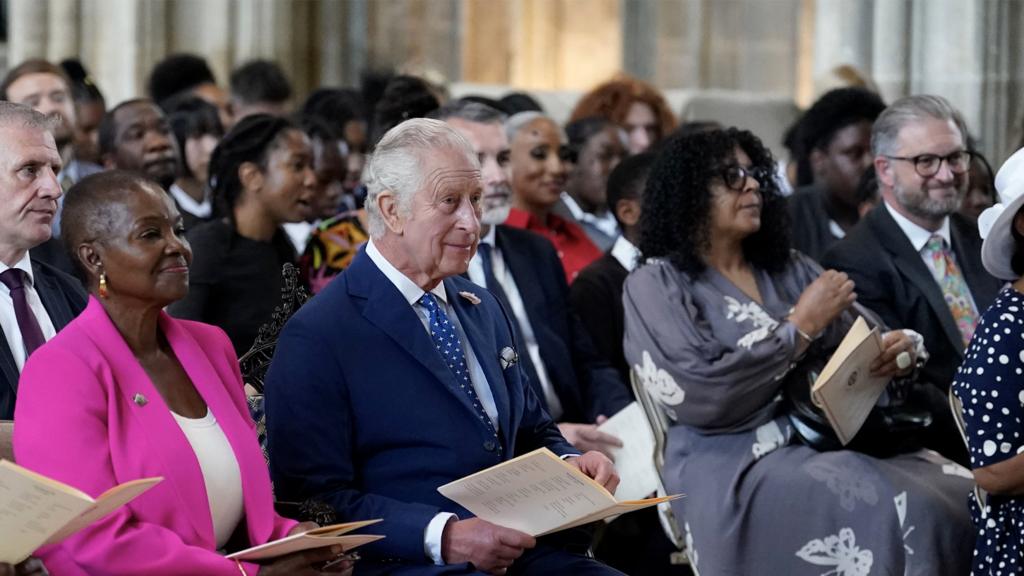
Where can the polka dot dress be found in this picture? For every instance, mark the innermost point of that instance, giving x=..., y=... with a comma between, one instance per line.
x=990, y=385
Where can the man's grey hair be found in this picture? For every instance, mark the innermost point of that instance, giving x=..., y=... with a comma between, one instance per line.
x=22, y=116
x=906, y=111
x=517, y=122
x=398, y=160
x=469, y=111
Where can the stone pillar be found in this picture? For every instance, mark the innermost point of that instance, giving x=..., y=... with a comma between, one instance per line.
x=203, y=27
x=890, y=47
x=62, y=36
x=843, y=32
x=330, y=40
x=26, y=30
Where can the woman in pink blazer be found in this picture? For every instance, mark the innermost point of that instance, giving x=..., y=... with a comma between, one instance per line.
x=117, y=395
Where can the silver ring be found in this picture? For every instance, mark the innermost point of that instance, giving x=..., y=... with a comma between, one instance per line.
x=903, y=360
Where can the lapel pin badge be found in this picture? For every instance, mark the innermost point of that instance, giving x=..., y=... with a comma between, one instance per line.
x=473, y=298
x=140, y=400
x=508, y=357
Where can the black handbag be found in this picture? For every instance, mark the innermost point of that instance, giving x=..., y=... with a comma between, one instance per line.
x=889, y=430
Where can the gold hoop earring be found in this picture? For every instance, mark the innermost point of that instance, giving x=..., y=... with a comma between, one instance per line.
x=103, y=285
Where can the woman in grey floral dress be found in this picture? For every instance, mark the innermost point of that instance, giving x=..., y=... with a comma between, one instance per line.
x=719, y=313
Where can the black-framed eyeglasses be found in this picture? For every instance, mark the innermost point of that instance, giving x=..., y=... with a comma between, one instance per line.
x=735, y=176
x=928, y=165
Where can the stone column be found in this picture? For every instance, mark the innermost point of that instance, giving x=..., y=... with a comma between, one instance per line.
x=62, y=33
x=890, y=46
x=843, y=31
x=26, y=30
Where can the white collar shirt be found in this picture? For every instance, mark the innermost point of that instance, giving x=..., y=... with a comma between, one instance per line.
x=606, y=224
x=8, y=320
x=515, y=301
x=626, y=253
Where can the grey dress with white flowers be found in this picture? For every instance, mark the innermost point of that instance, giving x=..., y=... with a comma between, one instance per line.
x=758, y=502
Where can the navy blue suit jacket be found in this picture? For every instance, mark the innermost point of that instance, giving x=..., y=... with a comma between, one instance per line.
x=64, y=299
x=364, y=415
x=587, y=385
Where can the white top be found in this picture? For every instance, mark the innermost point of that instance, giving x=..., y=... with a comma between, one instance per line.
x=9, y=322
x=221, y=474
x=299, y=234
x=412, y=293
x=626, y=253
x=198, y=209
x=605, y=224
x=515, y=300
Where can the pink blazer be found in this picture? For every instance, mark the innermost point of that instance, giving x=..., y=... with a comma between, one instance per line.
x=77, y=420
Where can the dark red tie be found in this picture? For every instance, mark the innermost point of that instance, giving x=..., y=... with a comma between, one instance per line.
x=31, y=333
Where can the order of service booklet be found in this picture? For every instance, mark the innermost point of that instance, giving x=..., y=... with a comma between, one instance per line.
x=538, y=493
x=634, y=461
x=315, y=538
x=36, y=510
x=845, y=390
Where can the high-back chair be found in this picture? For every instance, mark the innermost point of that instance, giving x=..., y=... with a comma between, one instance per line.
x=254, y=365
x=658, y=422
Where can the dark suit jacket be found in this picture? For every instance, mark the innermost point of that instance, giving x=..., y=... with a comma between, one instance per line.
x=64, y=298
x=364, y=415
x=894, y=281
x=585, y=382
x=810, y=229
x=596, y=298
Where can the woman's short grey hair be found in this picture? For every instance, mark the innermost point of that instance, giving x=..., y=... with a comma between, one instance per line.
x=911, y=109
x=397, y=164
x=517, y=122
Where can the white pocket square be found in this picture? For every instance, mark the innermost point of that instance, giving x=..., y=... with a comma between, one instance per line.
x=508, y=357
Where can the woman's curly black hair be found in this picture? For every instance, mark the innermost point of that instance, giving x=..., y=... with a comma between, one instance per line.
x=677, y=201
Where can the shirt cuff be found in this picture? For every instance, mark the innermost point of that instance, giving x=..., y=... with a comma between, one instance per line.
x=432, y=536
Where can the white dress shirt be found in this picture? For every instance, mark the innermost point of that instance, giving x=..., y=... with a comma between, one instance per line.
x=626, y=253
x=221, y=474
x=412, y=294
x=515, y=300
x=9, y=322
x=919, y=237
x=187, y=203
x=606, y=224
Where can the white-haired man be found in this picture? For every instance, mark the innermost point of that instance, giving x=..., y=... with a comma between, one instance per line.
x=364, y=411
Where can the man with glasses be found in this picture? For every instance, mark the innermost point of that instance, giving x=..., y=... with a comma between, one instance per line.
x=914, y=259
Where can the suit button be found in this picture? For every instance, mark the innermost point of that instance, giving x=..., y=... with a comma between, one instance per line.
x=490, y=445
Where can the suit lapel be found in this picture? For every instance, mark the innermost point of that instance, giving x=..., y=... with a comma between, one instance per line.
x=9, y=370
x=908, y=261
x=53, y=300
x=210, y=385
x=168, y=441
x=482, y=342
x=387, y=310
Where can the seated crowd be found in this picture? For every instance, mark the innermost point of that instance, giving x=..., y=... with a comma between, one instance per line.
x=486, y=282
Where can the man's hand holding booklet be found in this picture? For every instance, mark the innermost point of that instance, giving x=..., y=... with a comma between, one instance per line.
x=538, y=493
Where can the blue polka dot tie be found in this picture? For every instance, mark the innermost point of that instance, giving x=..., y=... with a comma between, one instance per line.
x=446, y=340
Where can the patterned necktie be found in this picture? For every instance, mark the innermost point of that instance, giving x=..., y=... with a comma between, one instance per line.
x=954, y=288
x=31, y=333
x=446, y=340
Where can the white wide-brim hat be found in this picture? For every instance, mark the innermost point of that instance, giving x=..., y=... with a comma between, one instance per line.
x=995, y=224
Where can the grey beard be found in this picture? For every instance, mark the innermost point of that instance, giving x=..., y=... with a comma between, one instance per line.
x=920, y=204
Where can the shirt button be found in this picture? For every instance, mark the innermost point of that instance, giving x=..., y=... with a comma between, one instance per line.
x=490, y=445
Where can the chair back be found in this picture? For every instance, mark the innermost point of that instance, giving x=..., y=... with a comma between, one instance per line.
x=255, y=363
x=658, y=422
x=957, y=408
x=7, y=440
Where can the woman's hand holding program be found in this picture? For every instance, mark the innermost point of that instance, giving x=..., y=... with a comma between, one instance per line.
x=822, y=301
